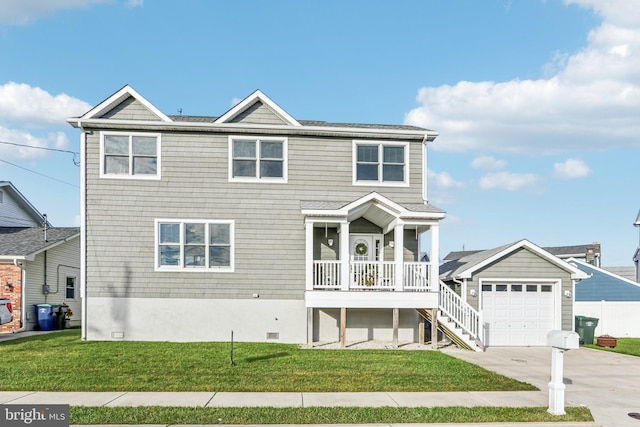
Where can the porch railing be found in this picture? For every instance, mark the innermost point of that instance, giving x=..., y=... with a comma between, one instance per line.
x=366, y=275
x=459, y=311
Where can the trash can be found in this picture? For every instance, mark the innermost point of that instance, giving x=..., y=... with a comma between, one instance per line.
x=61, y=314
x=46, y=317
x=586, y=328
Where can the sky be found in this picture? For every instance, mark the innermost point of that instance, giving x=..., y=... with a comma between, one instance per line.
x=537, y=102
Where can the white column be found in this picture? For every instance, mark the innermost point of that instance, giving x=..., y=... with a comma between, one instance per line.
x=556, y=386
x=398, y=254
x=308, y=245
x=434, y=258
x=345, y=268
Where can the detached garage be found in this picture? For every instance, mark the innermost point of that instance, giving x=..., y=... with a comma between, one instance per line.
x=520, y=290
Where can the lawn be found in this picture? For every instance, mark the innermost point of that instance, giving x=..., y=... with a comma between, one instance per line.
x=629, y=346
x=63, y=362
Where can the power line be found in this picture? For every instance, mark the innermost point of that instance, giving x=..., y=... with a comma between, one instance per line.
x=41, y=174
x=75, y=153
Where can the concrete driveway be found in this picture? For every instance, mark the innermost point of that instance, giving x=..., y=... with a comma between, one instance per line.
x=608, y=383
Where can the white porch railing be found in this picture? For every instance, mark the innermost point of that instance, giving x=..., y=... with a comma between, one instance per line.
x=366, y=275
x=461, y=313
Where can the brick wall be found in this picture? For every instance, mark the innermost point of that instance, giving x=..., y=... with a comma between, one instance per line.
x=11, y=288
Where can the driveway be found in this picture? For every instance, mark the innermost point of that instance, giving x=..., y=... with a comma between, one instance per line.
x=608, y=383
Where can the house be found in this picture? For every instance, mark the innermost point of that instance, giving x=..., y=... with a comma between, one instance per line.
x=612, y=299
x=253, y=222
x=518, y=291
x=39, y=264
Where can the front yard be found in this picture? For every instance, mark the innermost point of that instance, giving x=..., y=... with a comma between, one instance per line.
x=62, y=362
x=630, y=346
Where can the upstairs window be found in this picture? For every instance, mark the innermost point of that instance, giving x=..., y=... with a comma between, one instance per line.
x=194, y=245
x=258, y=159
x=130, y=155
x=380, y=163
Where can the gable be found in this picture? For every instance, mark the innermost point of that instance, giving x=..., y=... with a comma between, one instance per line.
x=130, y=109
x=605, y=286
x=15, y=210
x=521, y=263
x=258, y=113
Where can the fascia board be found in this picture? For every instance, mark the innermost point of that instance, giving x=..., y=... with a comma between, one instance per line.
x=249, y=101
x=249, y=127
x=32, y=255
x=117, y=98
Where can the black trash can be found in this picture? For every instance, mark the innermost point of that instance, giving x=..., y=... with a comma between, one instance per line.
x=47, y=319
x=586, y=328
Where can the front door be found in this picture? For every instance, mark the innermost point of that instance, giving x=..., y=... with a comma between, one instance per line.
x=362, y=247
x=365, y=251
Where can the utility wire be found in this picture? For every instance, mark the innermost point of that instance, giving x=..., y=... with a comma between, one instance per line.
x=41, y=174
x=75, y=153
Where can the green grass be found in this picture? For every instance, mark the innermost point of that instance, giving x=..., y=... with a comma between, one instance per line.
x=63, y=362
x=629, y=346
x=317, y=415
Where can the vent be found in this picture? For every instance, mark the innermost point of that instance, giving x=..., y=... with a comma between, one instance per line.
x=273, y=335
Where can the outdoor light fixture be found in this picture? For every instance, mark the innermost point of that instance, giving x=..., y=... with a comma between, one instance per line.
x=567, y=294
x=473, y=292
x=330, y=242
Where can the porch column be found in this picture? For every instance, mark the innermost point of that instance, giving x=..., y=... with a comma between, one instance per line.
x=434, y=328
x=398, y=255
x=345, y=276
x=434, y=258
x=308, y=246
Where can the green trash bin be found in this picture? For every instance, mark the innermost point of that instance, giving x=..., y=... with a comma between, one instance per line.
x=586, y=328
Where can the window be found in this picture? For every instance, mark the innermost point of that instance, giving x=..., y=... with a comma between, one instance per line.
x=258, y=159
x=130, y=155
x=194, y=245
x=70, y=288
x=381, y=163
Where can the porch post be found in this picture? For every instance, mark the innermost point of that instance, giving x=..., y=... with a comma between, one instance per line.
x=308, y=245
x=434, y=258
x=345, y=276
x=396, y=323
x=343, y=327
x=434, y=328
x=398, y=255
x=310, y=327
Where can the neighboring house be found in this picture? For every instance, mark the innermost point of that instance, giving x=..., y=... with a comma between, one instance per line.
x=609, y=297
x=38, y=263
x=518, y=291
x=253, y=222
x=636, y=255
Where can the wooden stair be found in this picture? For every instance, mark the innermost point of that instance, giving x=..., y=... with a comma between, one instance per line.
x=454, y=333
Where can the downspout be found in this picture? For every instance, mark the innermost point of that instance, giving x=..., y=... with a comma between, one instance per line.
x=425, y=173
x=23, y=298
x=83, y=233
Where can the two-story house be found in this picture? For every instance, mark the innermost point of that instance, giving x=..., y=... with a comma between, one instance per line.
x=254, y=222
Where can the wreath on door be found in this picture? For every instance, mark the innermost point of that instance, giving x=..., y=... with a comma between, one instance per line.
x=362, y=249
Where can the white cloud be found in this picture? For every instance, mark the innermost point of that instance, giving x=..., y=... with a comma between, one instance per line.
x=588, y=97
x=20, y=12
x=571, y=169
x=14, y=152
x=488, y=163
x=32, y=106
x=439, y=186
x=509, y=181
x=135, y=3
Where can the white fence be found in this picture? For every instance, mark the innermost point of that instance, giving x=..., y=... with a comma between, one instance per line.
x=620, y=319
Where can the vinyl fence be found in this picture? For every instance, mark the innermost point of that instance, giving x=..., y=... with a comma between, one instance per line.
x=620, y=319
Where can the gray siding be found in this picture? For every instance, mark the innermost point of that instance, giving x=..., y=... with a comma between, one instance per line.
x=130, y=109
x=259, y=113
x=269, y=228
x=13, y=215
x=524, y=264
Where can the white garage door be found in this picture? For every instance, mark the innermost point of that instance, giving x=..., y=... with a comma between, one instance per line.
x=517, y=314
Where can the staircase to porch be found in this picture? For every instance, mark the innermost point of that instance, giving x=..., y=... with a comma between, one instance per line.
x=456, y=319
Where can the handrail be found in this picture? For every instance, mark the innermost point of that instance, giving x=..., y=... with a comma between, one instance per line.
x=459, y=311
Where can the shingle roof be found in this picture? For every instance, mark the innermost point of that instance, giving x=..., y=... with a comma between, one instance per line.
x=21, y=241
x=453, y=267
x=333, y=205
x=319, y=123
x=554, y=250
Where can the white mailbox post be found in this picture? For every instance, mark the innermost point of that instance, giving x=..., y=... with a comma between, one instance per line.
x=560, y=341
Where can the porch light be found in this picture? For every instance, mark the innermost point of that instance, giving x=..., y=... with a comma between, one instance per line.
x=473, y=292
x=330, y=242
x=392, y=243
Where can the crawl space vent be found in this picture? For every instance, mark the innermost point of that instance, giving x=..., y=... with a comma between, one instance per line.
x=273, y=335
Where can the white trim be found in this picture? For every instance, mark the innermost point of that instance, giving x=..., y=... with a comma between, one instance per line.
x=272, y=180
x=249, y=101
x=115, y=99
x=180, y=268
x=130, y=175
x=576, y=273
x=603, y=271
x=380, y=182
x=83, y=234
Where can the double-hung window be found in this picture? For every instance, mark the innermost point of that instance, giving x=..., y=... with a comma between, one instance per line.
x=194, y=245
x=258, y=159
x=127, y=155
x=377, y=163
x=70, y=288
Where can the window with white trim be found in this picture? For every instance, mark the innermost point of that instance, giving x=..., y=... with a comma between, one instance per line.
x=130, y=155
x=70, y=288
x=195, y=245
x=380, y=163
x=257, y=159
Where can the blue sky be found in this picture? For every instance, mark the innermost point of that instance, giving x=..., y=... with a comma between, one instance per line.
x=537, y=102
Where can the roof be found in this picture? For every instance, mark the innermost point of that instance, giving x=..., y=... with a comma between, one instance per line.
x=24, y=242
x=559, y=251
x=472, y=261
x=603, y=285
x=22, y=201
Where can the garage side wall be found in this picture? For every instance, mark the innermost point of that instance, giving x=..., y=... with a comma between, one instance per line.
x=521, y=266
